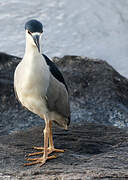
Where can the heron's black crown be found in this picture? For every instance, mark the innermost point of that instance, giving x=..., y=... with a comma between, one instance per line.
x=34, y=26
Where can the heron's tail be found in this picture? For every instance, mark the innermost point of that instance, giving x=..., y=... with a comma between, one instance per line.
x=61, y=120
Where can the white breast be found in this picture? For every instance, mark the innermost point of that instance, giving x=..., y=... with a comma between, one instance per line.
x=31, y=81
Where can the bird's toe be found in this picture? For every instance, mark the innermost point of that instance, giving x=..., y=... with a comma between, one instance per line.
x=40, y=160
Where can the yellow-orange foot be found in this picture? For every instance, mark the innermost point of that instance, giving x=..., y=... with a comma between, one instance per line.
x=40, y=160
x=50, y=150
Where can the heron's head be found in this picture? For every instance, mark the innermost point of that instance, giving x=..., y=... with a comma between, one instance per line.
x=34, y=30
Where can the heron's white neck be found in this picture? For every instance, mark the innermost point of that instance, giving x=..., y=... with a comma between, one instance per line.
x=31, y=49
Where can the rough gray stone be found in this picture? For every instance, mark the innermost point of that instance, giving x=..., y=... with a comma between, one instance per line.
x=94, y=149
x=98, y=93
x=91, y=151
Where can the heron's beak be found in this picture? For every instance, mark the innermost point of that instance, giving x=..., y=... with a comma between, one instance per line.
x=36, y=40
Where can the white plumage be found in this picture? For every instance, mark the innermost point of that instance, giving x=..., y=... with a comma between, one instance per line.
x=41, y=88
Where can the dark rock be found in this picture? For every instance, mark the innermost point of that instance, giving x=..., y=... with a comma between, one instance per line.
x=91, y=151
x=98, y=92
x=98, y=95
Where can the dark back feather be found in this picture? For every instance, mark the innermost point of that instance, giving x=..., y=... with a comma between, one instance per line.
x=55, y=71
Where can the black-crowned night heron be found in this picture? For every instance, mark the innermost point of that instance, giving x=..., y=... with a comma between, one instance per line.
x=41, y=88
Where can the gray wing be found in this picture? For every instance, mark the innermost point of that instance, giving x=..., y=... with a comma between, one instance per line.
x=57, y=98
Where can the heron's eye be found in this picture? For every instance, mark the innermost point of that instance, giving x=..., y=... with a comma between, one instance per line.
x=29, y=32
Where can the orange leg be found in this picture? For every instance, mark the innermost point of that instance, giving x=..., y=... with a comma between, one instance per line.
x=51, y=148
x=42, y=159
x=51, y=145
